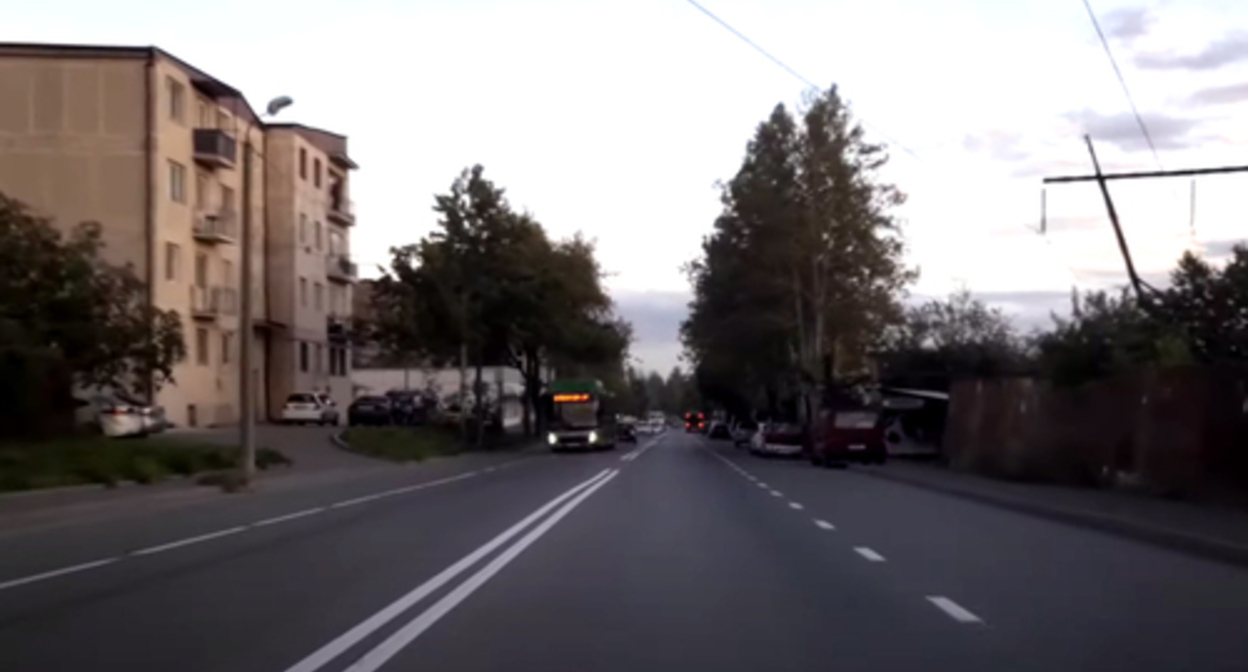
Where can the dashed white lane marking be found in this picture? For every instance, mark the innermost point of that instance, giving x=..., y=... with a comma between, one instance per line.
x=189, y=541
x=290, y=516
x=869, y=554
x=763, y=485
x=953, y=609
x=795, y=506
x=489, y=469
x=327, y=653
x=824, y=525
x=777, y=493
x=151, y=550
x=57, y=572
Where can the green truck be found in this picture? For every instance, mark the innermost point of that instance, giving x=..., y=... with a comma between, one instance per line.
x=580, y=416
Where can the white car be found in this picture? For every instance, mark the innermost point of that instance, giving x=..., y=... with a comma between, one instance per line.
x=118, y=416
x=309, y=407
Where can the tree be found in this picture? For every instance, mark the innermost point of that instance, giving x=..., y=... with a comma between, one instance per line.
x=56, y=293
x=803, y=270
x=490, y=285
x=1208, y=306
x=943, y=339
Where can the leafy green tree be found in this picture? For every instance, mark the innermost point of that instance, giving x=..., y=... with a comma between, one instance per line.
x=803, y=270
x=56, y=293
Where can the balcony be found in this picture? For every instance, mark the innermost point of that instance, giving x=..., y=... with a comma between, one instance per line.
x=340, y=268
x=337, y=328
x=220, y=226
x=215, y=148
x=209, y=303
x=341, y=211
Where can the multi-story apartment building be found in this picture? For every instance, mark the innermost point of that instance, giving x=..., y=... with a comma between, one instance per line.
x=152, y=149
x=310, y=269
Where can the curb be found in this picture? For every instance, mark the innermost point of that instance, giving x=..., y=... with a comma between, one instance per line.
x=1207, y=547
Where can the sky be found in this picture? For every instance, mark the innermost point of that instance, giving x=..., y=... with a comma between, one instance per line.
x=616, y=119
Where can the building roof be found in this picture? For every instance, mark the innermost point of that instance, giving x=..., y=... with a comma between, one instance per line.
x=333, y=144
x=202, y=80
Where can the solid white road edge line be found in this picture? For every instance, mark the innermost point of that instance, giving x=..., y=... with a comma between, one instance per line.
x=824, y=525
x=869, y=554
x=953, y=609
x=57, y=572
x=150, y=550
x=395, y=643
x=332, y=650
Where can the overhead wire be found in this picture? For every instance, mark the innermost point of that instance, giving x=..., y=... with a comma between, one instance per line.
x=797, y=75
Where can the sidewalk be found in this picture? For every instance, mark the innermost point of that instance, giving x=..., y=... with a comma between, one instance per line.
x=1212, y=531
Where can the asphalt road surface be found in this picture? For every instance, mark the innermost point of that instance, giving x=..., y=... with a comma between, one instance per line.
x=675, y=554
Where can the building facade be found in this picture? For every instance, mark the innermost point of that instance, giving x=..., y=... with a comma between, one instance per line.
x=153, y=148
x=311, y=275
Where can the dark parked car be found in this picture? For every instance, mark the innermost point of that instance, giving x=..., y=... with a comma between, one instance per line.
x=626, y=431
x=407, y=407
x=848, y=434
x=779, y=438
x=370, y=410
x=719, y=430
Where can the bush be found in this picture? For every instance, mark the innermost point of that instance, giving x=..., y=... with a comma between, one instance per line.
x=403, y=444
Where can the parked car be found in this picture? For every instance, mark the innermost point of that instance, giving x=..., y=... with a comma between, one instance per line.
x=779, y=438
x=118, y=416
x=743, y=431
x=718, y=430
x=309, y=408
x=370, y=410
x=845, y=435
x=407, y=407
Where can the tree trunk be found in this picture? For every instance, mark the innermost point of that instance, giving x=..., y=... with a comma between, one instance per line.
x=478, y=404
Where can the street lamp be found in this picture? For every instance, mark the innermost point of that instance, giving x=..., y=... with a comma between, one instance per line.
x=247, y=417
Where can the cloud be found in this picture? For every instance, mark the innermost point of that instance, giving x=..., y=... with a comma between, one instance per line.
x=1128, y=23
x=1231, y=48
x=1220, y=95
x=1221, y=248
x=656, y=318
x=1123, y=130
x=999, y=145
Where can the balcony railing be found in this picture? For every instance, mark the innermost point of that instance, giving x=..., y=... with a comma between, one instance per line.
x=220, y=226
x=340, y=267
x=215, y=148
x=342, y=211
x=208, y=303
x=337, y=328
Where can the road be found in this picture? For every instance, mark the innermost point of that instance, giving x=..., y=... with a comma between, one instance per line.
x=677, y=554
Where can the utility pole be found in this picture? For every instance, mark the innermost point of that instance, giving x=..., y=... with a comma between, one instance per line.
x=1113, y=218
x=246, y=403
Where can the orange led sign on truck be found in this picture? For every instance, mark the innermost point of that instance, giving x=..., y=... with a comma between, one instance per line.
x=570, y=398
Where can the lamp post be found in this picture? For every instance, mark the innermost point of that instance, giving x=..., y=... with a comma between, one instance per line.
x=246, y=404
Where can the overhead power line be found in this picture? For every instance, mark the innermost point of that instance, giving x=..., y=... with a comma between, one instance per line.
x=1122, y=81
x=793, y=72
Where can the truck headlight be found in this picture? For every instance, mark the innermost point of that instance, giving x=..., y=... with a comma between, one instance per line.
x=593, y=437
x=552, y=439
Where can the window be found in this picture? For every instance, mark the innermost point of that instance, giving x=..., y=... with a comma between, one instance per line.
x=205, y=115
x=316, y=228
x=303, y=229
x=336, y=298
x=177, y=182
x=227, y=273
x=337, y=244
x=227, y=199
x=318, y=296
x=303, y=292
x=316, y=363
x=303, y=357
x=227, y=345
x=316, y=172
x=177, y=98
x=303, y=163
x=201, y=190
x=201, y=346
x=201, y=269
x=337, y=361
x=223, y=120
x=173, y=259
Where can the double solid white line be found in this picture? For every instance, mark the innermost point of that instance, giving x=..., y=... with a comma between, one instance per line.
x=392, y=645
